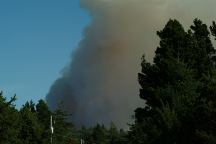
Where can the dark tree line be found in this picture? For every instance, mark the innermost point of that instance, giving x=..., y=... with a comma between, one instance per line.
x=28, y=125
x=32, y=125
x=179, y=89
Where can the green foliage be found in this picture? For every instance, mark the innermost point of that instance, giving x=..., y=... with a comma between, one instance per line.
x=101, y=135
x=62, y=128
x=113, y=135
x=178, y=88
x=30, y=127
x=116, y=136
x=9, y=121
x=43, y=115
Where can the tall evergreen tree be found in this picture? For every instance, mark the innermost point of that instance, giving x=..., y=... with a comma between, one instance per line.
x=31, y=131
x=99, y=134
x=62, y=127
x=204, y=48
x=113, y=134
x=176, y=88
x=9, y=121
x=43, y=115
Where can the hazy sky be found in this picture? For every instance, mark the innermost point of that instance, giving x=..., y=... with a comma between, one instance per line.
x=37, y=37
x=100, y=84
x=36, y=40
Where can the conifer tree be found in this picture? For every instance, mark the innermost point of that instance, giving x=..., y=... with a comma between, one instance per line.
x=30, y=132
x=43, y=115
x=178, y=88
x=9, y=121
x=62, y=127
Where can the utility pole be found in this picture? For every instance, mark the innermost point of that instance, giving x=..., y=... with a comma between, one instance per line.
x=82, y=141
x=51, y=128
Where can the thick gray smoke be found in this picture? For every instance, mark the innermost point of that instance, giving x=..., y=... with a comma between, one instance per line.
x=100, y=83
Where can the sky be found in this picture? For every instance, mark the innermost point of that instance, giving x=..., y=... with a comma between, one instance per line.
x=36, y=41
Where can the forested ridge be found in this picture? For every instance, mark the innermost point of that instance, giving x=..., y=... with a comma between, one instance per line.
x=178, y=87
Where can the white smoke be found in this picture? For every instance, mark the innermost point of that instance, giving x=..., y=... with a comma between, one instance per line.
x=100, y=84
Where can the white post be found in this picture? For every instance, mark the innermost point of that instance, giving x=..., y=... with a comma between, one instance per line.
x=82, y=141
x=51, y=128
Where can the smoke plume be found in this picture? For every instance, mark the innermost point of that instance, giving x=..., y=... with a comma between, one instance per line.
x=100, y=83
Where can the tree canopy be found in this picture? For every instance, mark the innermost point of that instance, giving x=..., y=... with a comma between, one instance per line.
x=179, y=89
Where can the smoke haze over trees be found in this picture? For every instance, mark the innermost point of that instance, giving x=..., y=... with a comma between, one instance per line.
x=32, y=125
x=100, y=83
x=178, y=88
